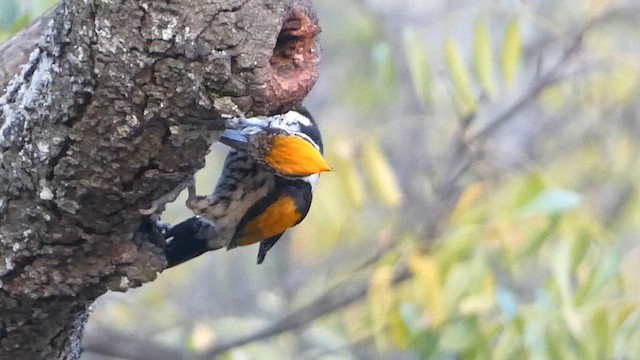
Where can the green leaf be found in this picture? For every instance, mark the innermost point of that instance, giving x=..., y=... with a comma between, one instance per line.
x=429, y=282
x=470, y=197
x=361, y=92
x=557, y=344
x=553, y=202
x=464, y=278
x=579, y=249
x=561, y=269
x=416, y=54
x=461, y=79
x=457, y=245
x=477, y=304
x=385, y=71
x=618, y=85
x=607, y=268
x=602, y=329
x=530, y=188
x=381, y=174
x=483, y=57
x=411, y=316
x=351, y=180
x=509, y=344
x=511, y=52
x=399, y=332
x=507, y=302
x=536, y=241
x=425, y=344
x=534, y=337
x=381, y=302
x=457, y=336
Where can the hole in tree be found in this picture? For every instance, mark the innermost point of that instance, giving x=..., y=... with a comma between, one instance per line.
x=295, y=46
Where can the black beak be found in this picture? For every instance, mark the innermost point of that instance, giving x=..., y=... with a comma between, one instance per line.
x=234, y=139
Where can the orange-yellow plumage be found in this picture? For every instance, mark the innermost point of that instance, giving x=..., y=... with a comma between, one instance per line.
x=294, y=156
x=277, y=218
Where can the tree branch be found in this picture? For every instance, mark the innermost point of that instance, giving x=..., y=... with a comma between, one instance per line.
x=115, y=344
x=553, y=75
x=326, y=304
x=547, y=79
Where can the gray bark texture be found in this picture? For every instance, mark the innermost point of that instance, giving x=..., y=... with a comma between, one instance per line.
x=109, y=108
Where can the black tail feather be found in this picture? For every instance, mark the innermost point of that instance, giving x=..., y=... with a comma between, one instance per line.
x=188, y=241
x=265, y=245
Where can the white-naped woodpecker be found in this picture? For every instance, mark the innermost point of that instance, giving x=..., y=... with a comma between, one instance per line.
x=265, y=187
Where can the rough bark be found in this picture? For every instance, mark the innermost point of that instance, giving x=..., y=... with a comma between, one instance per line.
x=112, y=114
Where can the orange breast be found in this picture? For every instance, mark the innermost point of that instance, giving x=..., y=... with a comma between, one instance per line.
x=277, y=218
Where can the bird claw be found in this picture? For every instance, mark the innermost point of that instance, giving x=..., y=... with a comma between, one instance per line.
x=163, y=227
x=191, y=192
x=161, y=202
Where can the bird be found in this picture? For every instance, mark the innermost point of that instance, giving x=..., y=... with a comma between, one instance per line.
x=265, y=187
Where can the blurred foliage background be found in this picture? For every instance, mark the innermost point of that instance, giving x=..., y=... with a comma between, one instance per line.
x=484, y=202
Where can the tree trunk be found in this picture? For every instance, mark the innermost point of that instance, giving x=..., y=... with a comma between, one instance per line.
x=111, y=115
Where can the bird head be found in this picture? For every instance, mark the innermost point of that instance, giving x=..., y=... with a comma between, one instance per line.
x=287, y=145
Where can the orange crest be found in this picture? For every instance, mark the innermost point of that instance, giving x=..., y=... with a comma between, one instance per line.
x=292, y=155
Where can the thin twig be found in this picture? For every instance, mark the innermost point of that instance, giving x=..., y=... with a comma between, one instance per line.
x=546, y=80
x=553, y=75
x=130, y=347
x=325, y=304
